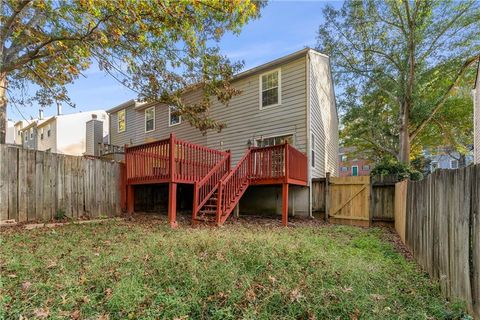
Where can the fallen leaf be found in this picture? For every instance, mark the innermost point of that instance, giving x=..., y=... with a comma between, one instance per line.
x=295, y=295
x=51, y=264
x=12, y=275
x=347, y=289
x=108, y=293
x=26, y=285
x=75, y=314
x=41, y=313
x=272, y=279
x=354, y=316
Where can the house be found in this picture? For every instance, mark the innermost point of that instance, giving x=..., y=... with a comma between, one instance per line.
x=352, y=163
x=288, y=100
x=446, y=158
x=10, y=133
x=476, y=116
x=61, y=133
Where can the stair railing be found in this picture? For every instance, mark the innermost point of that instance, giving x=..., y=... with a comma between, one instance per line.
x=206, y=187
x=232, y=187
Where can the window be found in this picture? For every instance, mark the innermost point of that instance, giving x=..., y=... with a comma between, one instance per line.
x=150, y=119
x=41, y=134
x=26, y=136
x=31, y=133
x=121, y=120
x=343, y=158
x=366, y=167
x=270, y=93
x=48, y=130
x=434, y=165
x=173, y=117
x=454, y=164
x=313, y=150
x=273, y=141
x=344, y=169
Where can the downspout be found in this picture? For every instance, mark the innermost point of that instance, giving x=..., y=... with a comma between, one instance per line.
x=309, y=133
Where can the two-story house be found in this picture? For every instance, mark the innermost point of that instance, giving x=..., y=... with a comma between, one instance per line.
x=63, y=134
x=290, y=99
x=476, y=116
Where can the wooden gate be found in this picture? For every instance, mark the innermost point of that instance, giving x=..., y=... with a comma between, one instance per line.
x=349, y=200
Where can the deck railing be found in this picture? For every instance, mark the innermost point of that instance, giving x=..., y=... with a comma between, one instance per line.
x=297, y=164
x=170, y=160
x=206, y=187
x=267, y=162
x=232, y=187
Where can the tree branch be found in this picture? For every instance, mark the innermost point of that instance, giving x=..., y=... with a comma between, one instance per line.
x=444, y=97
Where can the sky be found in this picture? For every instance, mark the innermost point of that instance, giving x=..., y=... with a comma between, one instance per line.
x=284, y=27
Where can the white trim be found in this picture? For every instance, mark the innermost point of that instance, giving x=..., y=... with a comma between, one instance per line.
x=145, y=119
x=170, y=117
x=308, y=62
x=124, y=119
x=279, y=88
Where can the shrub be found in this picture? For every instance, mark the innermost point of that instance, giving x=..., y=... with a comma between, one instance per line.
x=394, y=167
x=60, y=215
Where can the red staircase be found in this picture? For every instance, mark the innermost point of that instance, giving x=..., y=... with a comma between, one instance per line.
x=217, y=189
x=281, y=164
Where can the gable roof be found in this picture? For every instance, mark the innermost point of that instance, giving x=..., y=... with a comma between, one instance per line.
x=259, y=69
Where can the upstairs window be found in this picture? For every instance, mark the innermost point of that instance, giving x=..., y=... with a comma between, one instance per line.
x=343, y=158
x=121, y=120
x=173, y=116
x=270, y=89
x=150, y=119
x=41, y=134
x=48, y=130
x=31, y=133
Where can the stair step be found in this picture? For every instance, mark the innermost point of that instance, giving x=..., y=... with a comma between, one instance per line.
x=209, y=212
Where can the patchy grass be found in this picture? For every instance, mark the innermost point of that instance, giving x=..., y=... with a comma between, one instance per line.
x=121, y=270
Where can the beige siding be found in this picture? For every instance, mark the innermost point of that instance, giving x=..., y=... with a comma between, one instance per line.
x=245, y=121
x=47, y=143
x=323, y=116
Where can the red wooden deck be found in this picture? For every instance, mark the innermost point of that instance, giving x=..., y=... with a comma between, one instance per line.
x=217, y=187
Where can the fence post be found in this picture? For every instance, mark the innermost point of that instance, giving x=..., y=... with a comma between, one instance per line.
x=327, y=195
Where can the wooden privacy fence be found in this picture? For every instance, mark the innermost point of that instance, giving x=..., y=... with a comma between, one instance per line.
x=383, y=198
x=439, y=220
x=348, y=200
x=36, y=185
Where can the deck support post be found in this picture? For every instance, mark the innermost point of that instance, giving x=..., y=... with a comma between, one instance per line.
x=130, y=200
x=285, y=204
x=172, y=204
x=236, y=211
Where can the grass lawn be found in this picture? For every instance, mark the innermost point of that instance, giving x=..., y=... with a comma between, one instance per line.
x=138, y=270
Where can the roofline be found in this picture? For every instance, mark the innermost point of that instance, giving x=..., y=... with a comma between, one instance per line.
x=261, y=68
x=121, y=106
x=273, y=63
x=46, y=121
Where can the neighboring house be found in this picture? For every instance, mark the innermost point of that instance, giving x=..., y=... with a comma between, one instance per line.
x=19, y=126
x=289, y=99
x=63, y=134
x=352, y=163
x=444, y=158
x=10, y=134
x=476, y=116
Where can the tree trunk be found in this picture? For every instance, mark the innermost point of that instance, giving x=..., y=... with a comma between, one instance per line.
x=3, y=108
x=404, y=145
